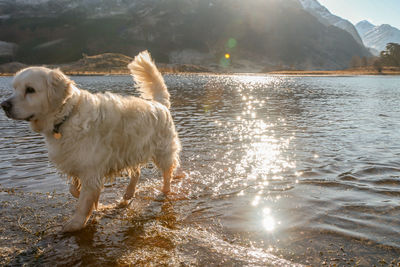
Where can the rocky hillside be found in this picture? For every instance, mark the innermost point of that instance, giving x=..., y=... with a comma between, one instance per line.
x=377, y=37
x=258, y=35
x=327, y=18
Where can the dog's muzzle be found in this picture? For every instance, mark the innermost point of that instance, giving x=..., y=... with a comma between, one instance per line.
x=7, y=107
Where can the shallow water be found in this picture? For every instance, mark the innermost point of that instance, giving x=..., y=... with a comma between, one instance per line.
x=281, y=170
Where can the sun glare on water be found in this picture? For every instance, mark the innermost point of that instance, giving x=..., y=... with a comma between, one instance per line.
x=263, y=163
x=268, y=221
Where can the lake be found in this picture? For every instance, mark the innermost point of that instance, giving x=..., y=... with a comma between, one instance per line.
x=281, y=170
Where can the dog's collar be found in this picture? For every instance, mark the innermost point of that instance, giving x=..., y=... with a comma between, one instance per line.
x=56, y=129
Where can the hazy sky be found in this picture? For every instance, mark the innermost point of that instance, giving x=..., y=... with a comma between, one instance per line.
x=375, y=11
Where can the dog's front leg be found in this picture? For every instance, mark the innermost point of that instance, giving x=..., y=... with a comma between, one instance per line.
x=130, y=189
x=167, y=175
x=88, y=199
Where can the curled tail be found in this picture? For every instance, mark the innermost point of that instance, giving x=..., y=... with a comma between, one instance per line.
x=150, y=81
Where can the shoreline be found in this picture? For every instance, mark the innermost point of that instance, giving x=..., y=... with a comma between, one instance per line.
x=277, y=73
x=335, y=73
x=165, y=70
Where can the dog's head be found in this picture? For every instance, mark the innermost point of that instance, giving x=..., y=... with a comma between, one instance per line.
x=38, y=93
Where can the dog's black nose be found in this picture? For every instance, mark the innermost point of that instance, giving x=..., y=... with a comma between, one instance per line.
x=6, y=105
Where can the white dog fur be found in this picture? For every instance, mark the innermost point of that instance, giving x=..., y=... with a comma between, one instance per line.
x=94, y=137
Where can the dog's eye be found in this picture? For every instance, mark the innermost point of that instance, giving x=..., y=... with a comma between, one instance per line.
x=29, y=90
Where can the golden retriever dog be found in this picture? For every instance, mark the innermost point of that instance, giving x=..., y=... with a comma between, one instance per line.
x=94, y=137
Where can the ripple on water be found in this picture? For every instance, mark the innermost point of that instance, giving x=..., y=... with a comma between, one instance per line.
x=303, y=167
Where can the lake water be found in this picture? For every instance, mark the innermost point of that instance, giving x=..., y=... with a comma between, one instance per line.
x=281, y=171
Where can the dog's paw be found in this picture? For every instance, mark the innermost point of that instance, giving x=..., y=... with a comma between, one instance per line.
x=72, y=226
x=175, y=196
x=166, y=190
x=128, y=195
x=180, y=174
x=123, y=203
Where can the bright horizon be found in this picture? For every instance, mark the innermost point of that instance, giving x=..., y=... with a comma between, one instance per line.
x=375, y=11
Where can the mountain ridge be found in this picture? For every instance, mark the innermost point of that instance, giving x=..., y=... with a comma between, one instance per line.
x=267, y=34
x=378, y=36
x=327, y=18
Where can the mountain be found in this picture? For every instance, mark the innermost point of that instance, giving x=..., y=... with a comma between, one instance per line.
x=7, y=49
x=257, y=34
x=327, y=18
x=377, y=37
x=53, y=8
x=364, y=26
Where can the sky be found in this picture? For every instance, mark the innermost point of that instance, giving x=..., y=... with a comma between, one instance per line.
x=375, y=11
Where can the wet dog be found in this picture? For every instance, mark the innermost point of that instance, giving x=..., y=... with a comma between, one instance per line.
x=95, y=137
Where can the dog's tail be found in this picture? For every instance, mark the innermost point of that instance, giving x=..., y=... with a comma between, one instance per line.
x=149, y=80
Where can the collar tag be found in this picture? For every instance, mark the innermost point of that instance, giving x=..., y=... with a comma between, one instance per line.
x=57, y=135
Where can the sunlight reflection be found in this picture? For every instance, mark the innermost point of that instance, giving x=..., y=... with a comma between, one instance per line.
x=256, y=79
x=268, y=221
x=264, y=162
x=260, y=165
x=255, y=201
x=263, y=156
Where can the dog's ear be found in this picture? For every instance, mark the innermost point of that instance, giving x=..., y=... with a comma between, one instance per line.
x=59, y=87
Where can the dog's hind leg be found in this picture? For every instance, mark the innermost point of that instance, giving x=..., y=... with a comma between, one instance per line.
x=167, y=176
x=167, y=160
x=87, y=201
x=130, y=189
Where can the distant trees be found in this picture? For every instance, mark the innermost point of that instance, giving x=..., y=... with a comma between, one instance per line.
x=391, y=56
x=387, y=58
x=378, y=65
x=357, y=62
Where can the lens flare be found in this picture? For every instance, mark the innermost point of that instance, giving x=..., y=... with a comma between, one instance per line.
x=231, y=43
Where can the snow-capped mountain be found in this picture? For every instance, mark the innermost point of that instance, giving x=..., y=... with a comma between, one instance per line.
x=363, y=27
x=377, y=37
x=327, y=18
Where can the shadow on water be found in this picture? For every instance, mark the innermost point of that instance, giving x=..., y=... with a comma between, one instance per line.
x=281, y=170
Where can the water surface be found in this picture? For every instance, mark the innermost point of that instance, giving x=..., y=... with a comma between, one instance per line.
x=281, y=170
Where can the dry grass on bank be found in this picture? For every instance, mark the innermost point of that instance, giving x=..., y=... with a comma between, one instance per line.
x=346, y=72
